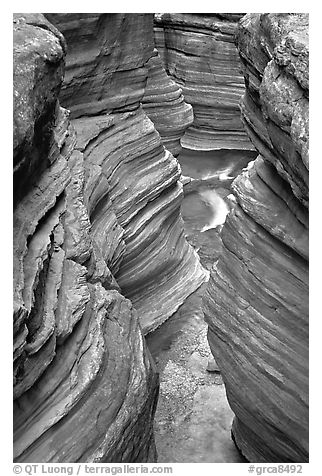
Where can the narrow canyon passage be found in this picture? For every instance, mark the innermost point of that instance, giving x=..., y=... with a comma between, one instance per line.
x=161, y=193
x=193, y=418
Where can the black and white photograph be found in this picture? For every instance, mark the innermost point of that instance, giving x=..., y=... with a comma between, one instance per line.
x=160, y=241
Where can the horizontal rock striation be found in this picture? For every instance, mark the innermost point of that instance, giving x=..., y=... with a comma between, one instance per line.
x=105, y=72
x=256, y=303
x=151, y=260
x=105, y=66
x=164, y=104
x=84, y=386
x=199, y=53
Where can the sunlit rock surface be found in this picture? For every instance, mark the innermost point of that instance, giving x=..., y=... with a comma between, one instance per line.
x=199, y=53
x=256, y=303
x=156, y=267
x=84, y=386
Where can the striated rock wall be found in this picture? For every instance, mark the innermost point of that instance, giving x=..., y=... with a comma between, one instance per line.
x=84, y=386
x=111, y=67
x=164, y=104
x=199, y=53
x=97, y=217
x=256, y=303
x=107, y=66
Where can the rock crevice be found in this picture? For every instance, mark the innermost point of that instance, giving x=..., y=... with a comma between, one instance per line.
x=157, y=268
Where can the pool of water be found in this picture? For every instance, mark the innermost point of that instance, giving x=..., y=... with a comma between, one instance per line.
x=223, y=165
x=193, y=418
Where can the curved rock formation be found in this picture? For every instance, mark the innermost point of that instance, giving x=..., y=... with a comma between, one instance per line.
x=164, y=104
x=84, y=386
x=257, y=298
x=97, y=217
x=199, y=53
x=108, y=61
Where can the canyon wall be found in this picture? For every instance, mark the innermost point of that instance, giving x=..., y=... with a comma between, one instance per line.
x=199, y=53
x=107, y=66
x=84, y=386
x=164, y=104
x=97, y=218
x=256, y=303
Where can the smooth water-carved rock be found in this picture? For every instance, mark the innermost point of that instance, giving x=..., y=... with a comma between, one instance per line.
x=199, y=53
x=84, y=386
x=164, y=104
x=106, y=62
x=106, y=72
x=257, y=298
x=156, y=267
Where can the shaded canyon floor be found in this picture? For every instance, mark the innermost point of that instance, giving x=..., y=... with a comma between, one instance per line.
x=193, y=418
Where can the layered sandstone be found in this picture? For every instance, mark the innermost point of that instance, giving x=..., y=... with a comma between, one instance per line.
x=199, y=53
x=84, y=386
x=107, y=67
x=164, y=104
x=257, y=298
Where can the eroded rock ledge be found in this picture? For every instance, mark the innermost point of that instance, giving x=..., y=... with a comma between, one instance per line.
x=107, y=66
x=86, y=206
x=199, y=53
x=84, y=386
x=164, y=104
x=257, y=298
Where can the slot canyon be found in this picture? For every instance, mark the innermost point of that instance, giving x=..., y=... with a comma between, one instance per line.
x=160, y=237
